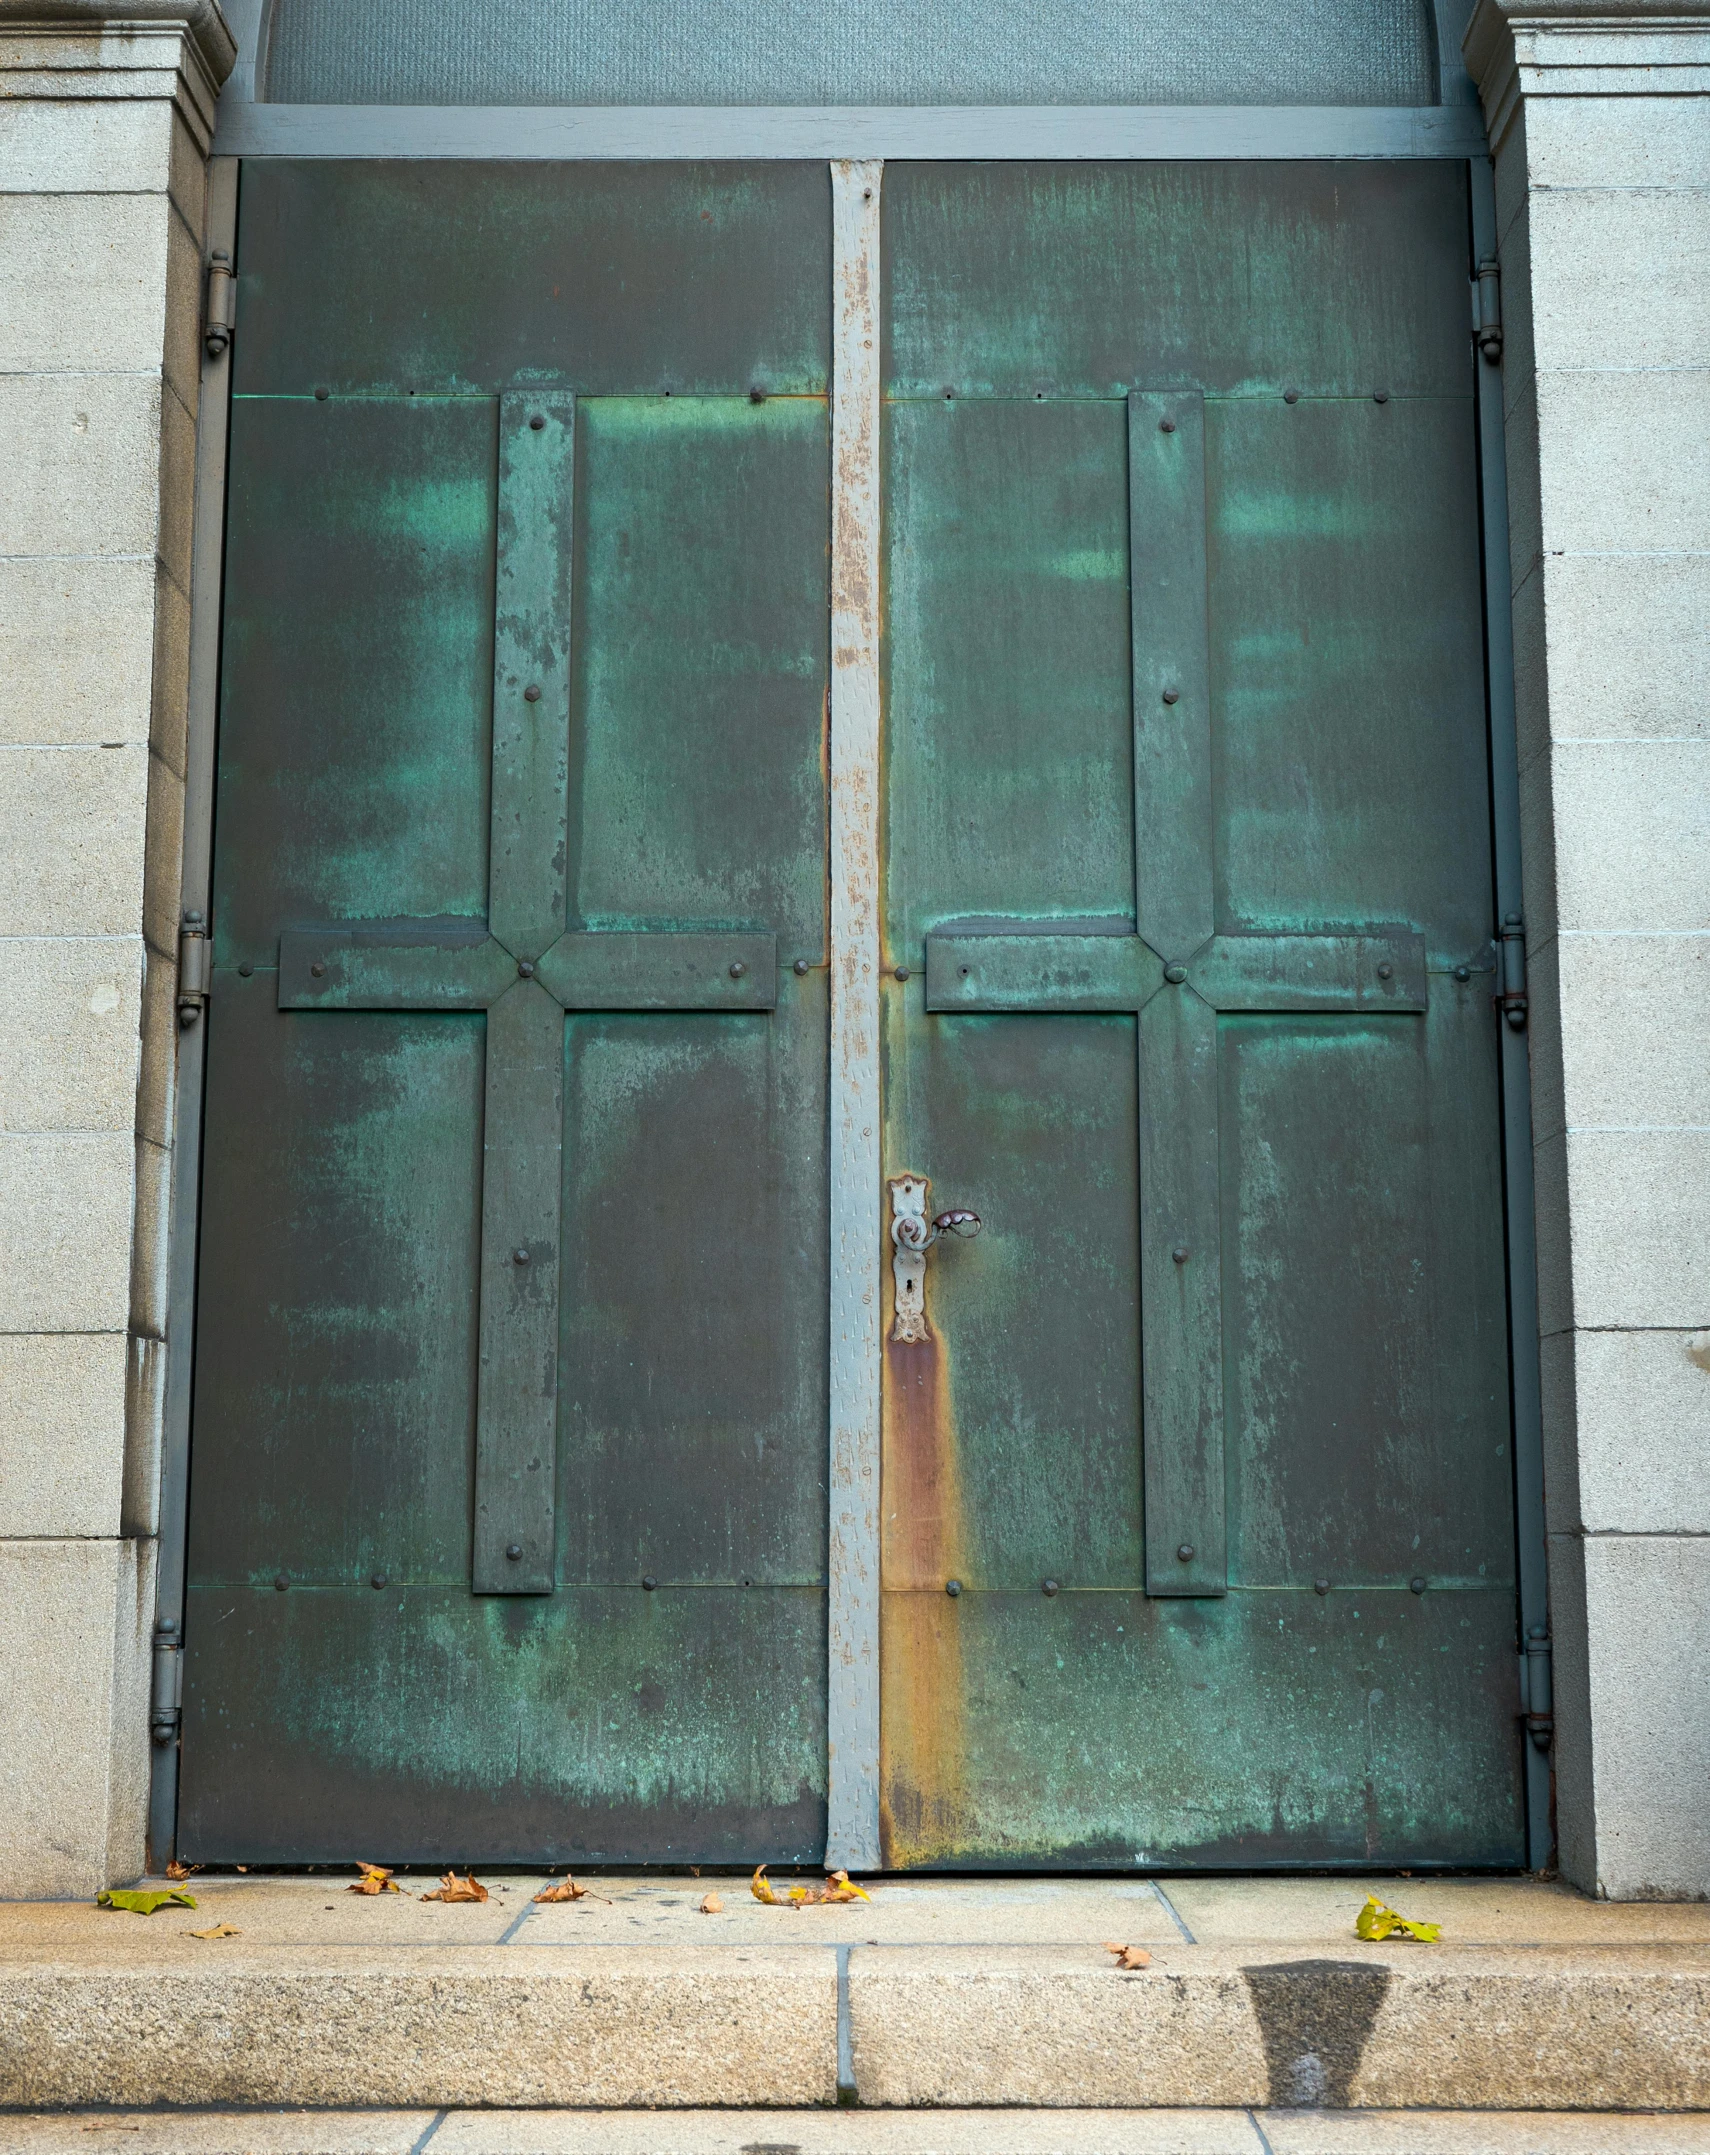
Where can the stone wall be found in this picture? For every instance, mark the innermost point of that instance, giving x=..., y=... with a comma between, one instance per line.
x=1600, y=121
x=103, y=139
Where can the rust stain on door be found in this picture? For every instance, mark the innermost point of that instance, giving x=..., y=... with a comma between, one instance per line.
x=923, y=1749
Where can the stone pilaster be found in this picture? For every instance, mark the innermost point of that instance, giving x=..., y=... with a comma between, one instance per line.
x=1600, y=122
x=105, y=120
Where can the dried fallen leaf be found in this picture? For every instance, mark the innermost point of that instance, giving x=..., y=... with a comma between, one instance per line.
x=178, y=1872
x=220, y=1930
x=566, y=1890
x=839, y=1888
x=139, y=1903
x=375, y=1879
x=712, y=1905
x=1128, y=1956
x=1376, y=1921
x=761, y=1888
x=836, y=1888
x=453, y=1888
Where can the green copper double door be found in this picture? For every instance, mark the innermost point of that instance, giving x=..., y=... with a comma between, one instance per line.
x=509, y=1489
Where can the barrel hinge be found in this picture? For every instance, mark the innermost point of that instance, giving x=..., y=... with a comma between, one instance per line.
x=220, y=315
x=195, y=970
x=1537, y=1689
x=167, y=1690
x=1511, y=1001
x=1487, y=310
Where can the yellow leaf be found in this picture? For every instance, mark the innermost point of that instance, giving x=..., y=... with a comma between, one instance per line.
x=838, y=1887
x=220, y=1930
x=1375, y=1921
x=375, y=1879
x=761, y=1888
x=138, y=1903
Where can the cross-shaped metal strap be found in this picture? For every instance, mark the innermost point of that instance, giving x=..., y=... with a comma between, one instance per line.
x=1177, y=975
x=525, y=971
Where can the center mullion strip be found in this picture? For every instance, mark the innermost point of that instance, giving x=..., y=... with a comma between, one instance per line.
x=1181, y=1291
x=523, y=1133
x=852, y=1699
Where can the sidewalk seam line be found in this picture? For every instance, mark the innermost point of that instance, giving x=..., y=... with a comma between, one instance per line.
x=439, y=2118
x=845, y=2030
x=1264, y=2137
x=1169, y=1908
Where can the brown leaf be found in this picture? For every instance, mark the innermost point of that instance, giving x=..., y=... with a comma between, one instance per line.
x=220, y=1930
x=712, y=1905
x=453, y=1888
x=566, y=1890
x=178, y=1872
x=375, y=1879
x=838, y=1888
x=1129, y=1956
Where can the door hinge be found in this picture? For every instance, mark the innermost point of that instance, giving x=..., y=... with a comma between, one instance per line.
x=1487, y=310
x=194, y=969
x=167, y=1691
x=221, y=315
x=1512, y=1000
x=1537, y=1689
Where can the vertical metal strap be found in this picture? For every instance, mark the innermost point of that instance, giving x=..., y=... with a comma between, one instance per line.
x=1181, y=1292
x=852, y=1702
x=206, y=578
x=517, y=1390
x=516, y=1415
x=1531, y=1531
x=531, y=672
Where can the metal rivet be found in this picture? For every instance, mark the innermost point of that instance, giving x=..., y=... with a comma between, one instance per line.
x=1172, y=695
x=245, y=970
x=1463, y=972
x=1321, y=1586
x=321, y=395
x=536, y=421
x=378, y=1581
x=1166, y=426
x=531, y=694
x=1380, y=396
x=1180, y=1253
x=757, y=395
x=1175, y=974
x=1048, y=1588
x=952, y=1587
x=519, y=1257
x=1184, y=1555
x=1386, y=972
x=801, y=965
x=281, y=1583
x=902, y=972
x=649, y=1582
x=317, y=969
x=513, y=1552
x=737, y=968
x=1418, y=1585
x=525, y=968
x=1291, y=396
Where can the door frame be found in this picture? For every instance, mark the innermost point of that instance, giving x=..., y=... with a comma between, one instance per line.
x=854, y=143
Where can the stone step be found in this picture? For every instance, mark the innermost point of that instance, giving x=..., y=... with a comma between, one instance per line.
x=947, y=1994
x=858, y=2132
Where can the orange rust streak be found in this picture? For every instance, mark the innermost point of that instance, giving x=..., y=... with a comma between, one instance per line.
x=923, y=1748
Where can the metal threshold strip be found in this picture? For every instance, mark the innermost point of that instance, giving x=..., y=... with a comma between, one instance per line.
x=848, y=133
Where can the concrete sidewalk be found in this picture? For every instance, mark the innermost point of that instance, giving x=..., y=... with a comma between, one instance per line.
x=952, y=1995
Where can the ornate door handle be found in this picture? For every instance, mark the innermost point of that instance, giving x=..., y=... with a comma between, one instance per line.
x=912, y=1235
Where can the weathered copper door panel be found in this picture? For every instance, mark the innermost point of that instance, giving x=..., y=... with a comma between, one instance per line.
x=461, y=935
x=1198, y=1531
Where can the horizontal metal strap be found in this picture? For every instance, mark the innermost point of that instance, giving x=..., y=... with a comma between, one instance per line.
x=1089, y=973
x=1311, y=972
x=425, y=965
x=621, y=970
x=1084, y=973
x=393, y=965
